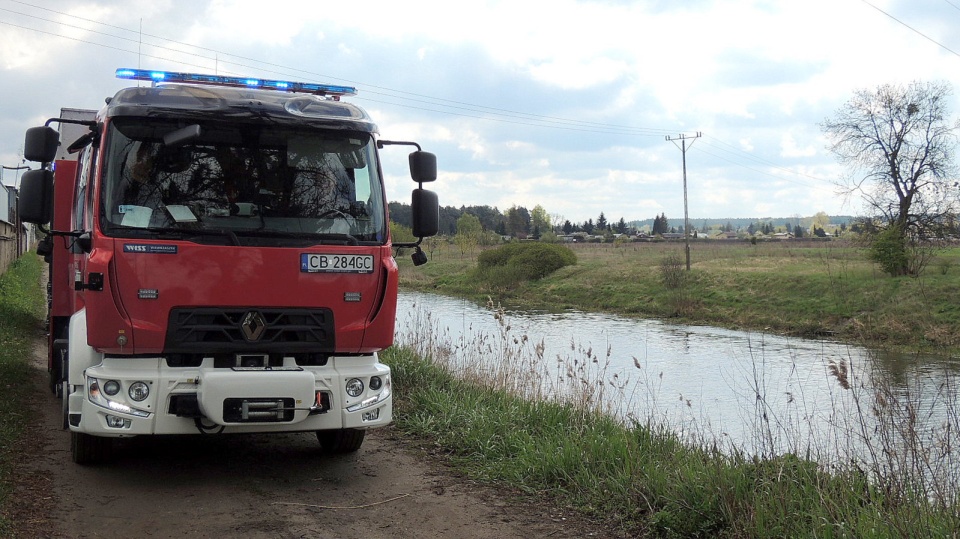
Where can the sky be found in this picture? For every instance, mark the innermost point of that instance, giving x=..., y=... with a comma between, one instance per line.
x=566, y=104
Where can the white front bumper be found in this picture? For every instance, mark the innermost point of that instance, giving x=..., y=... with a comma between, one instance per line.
x=219, y=392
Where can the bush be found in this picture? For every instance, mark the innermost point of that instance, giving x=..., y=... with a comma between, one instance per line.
x=673, y=273
x=889, y=250
x=515, y=262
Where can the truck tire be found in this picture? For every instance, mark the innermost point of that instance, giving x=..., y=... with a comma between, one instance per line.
x=87, y=449
x=334, y=442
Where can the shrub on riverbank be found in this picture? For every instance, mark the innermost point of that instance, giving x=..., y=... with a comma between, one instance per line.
x=517, y=262
x=21, y=308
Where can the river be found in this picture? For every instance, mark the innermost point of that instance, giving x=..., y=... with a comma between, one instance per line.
x=747, y=391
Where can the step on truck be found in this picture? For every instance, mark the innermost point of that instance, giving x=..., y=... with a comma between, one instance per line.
x=220, y=261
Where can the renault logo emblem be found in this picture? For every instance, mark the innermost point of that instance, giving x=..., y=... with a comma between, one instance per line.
x=253, y=326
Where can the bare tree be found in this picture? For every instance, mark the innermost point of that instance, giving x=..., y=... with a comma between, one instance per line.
x=899, y=143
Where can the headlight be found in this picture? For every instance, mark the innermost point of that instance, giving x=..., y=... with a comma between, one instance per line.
x=139, y=391
x=354, y=387
x=376, y=383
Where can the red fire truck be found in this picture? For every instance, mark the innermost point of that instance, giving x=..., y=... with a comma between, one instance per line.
x=220, y=261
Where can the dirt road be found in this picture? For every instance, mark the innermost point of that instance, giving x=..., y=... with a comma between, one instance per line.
x=277, y=486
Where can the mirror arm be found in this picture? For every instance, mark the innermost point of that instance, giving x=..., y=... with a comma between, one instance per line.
x=64, y=233
x=382, y=143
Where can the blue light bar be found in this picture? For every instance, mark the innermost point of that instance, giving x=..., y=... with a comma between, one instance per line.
x=245, y=82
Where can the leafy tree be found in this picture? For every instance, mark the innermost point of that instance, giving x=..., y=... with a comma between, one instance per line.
x=401, y=234
x=518, y=221
x=900, y=144
x=797, y=231
x=821, y=220
x=468, y=235
x=539, y=219
x=567, y=227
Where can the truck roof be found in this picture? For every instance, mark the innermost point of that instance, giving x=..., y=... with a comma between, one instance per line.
x=254, y=105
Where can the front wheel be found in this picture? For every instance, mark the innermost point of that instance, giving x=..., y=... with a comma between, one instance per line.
x=340, y=440
x=87, y=449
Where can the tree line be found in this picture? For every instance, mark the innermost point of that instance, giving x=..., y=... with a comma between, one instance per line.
x=516, y=221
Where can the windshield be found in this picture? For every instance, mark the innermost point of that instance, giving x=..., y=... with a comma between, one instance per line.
x=241, y=184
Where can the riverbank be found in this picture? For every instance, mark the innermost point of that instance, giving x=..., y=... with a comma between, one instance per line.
x=640, y=479
x=794, y=288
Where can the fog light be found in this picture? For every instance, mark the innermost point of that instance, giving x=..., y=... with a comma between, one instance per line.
x=376, y=383
x=139, y=391
x=115, y=422
x=111, y=387
x=371, y=415
x=354, y=387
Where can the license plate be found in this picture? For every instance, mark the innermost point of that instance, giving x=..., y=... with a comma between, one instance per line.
x=331, y=263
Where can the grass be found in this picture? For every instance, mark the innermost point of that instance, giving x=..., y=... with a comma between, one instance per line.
x=21, y=311
x=806, y=289
x=503, y=413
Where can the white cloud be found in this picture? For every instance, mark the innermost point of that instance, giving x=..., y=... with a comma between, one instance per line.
x=790, y=149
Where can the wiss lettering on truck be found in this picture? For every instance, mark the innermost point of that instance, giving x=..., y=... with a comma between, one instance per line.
x=220, y=260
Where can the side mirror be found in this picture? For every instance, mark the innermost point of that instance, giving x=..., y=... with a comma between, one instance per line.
x=41, y=144
x=426, y=213
x=423, y=166
x=35, y=204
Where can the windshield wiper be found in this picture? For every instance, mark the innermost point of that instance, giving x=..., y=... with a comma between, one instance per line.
x=181, y=233
x=318, y=237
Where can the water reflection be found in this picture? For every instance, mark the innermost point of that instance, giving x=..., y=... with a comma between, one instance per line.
x=748, y=390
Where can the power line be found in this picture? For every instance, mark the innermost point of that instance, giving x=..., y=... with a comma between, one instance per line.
x=955, y=6
x=918, y=32
x=437, y=101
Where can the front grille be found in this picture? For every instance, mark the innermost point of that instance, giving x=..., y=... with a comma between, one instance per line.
x=221, y=330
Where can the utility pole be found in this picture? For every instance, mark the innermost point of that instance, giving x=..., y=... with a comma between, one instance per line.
x=686, y=216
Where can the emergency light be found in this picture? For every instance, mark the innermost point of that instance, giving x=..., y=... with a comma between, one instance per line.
x=244, y=82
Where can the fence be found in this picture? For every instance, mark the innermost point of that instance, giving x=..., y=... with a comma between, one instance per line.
x=8, y=245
